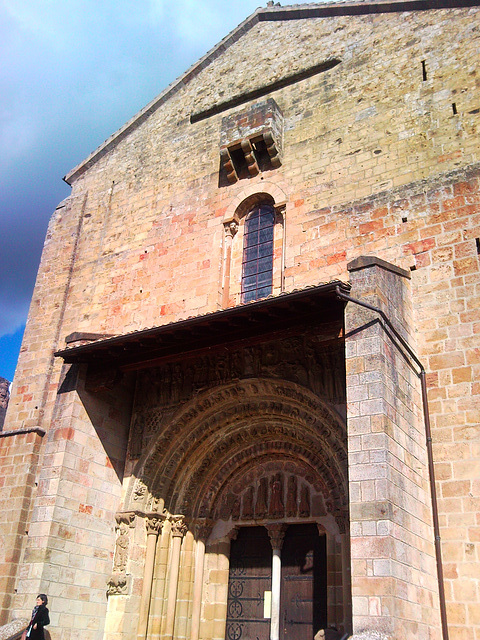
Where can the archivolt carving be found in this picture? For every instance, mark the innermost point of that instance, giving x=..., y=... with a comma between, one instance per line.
x=226, y=427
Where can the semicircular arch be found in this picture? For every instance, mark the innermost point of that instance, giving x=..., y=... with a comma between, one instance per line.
x=224, y=429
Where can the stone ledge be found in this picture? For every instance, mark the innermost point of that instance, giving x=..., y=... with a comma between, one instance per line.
x=13, y=628
x=363, y=262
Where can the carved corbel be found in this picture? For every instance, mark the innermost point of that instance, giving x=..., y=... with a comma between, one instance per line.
x=272, y=149
x=227, y=162
x=233, y=533
x=250, y=159
x=125, y=517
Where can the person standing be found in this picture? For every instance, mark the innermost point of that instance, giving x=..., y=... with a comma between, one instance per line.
x=39, y=620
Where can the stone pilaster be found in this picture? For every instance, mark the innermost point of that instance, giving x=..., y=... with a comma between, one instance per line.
x=393, y=566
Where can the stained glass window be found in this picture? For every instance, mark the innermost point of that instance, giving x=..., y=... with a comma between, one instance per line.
x=257, y=264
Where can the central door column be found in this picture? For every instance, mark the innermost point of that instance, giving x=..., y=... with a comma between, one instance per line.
x=276, y=533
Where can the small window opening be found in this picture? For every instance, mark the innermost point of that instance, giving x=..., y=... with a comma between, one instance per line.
x=238, y=158
x=261, y=154
x=477, y=242
x=424, y=70
x=454, y=108
x=413, y=267
x=257, y=262
x=405, y=219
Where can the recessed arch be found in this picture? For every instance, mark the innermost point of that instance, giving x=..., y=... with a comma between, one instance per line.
x=224, y=430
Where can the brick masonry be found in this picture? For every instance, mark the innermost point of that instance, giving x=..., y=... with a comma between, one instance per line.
x=375, y=162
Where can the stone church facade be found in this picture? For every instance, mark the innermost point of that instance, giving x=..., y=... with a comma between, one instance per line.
x=247, y=400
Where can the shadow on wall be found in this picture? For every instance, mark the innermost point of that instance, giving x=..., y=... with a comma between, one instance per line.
x=106, y=396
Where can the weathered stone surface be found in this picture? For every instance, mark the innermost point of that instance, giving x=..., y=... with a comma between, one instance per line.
x=12, y=628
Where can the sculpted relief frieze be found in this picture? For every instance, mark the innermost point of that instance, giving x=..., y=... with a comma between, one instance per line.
x=304, y=360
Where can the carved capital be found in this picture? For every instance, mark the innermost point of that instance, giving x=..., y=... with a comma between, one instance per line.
x=231, y=228
x=276, y=533
x=154, y=523
x=179, y=527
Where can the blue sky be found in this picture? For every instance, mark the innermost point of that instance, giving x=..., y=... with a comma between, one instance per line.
x=71, y=73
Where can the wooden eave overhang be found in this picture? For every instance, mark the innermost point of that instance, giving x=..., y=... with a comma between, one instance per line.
x=263, y=14
x=246, y=323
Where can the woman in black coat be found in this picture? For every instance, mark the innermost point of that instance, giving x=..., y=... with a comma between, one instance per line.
x=39, y=619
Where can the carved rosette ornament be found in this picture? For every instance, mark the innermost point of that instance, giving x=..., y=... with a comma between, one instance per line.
x=154, y=523
x=276, y=533
x=179, y=527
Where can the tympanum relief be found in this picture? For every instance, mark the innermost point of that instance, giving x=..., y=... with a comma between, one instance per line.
x=276, y=496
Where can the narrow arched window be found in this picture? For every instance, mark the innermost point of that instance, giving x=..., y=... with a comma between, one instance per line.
x=257, y=262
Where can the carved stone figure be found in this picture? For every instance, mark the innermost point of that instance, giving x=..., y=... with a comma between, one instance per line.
x=304, y=508
x=4, y=398
x=276, y=498
x=292, y=497
x=247, y=510
x=139, y=492
x=236, y=508
x=121, y=549
x=261, y=505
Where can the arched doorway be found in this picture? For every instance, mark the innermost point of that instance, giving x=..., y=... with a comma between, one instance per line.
x=250, y=455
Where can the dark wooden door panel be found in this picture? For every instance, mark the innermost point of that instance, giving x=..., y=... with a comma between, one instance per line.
x=303, y=604
x=249, y=578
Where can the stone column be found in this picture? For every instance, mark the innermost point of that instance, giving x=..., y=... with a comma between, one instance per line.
x=179, y=528
x=231, y=228
x=276, y=533
x=393, y=565
x=202, y=531
x=153, y=523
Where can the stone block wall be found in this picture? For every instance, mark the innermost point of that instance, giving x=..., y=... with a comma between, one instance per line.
x=19, y=455
x=68, y=549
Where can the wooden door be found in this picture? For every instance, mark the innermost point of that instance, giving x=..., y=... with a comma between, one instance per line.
x=249, y=578
x=303, y=602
